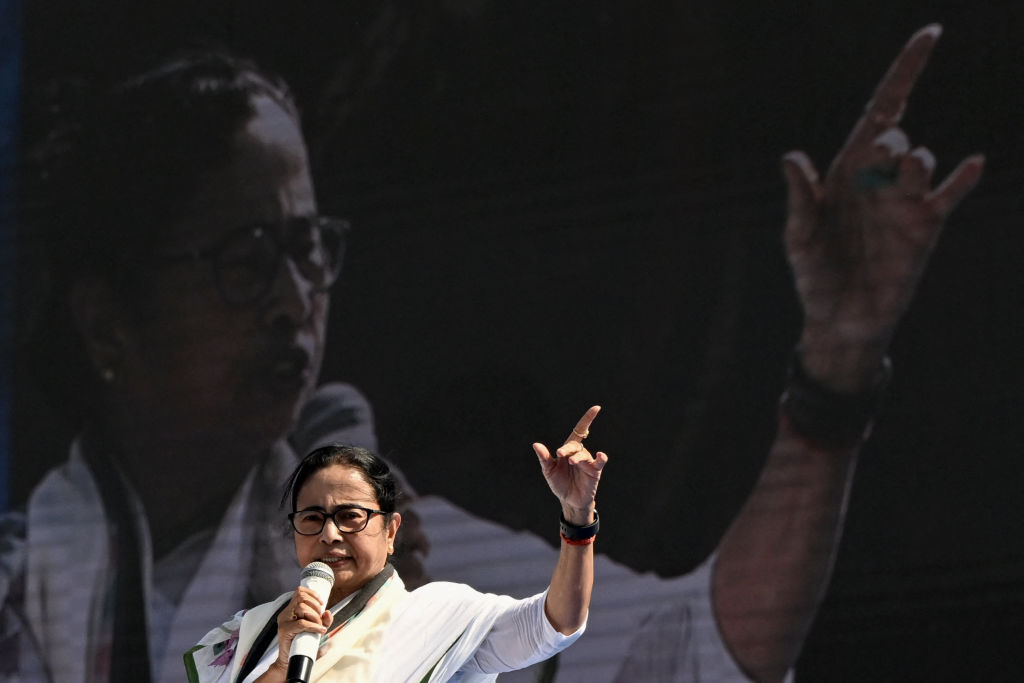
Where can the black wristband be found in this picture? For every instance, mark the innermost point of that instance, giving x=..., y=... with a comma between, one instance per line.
x=827, y=416
x=579, y=533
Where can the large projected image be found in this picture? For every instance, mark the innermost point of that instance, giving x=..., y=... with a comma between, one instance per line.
x=260, y=235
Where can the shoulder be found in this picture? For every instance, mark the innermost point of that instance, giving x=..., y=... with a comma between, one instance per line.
x=452, y=598
x=72, y=485
x=442, y=607
x=72, y=482
x=444, y=590
x=216, y=651
x=244, y=621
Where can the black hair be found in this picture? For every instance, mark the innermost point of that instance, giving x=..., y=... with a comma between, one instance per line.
x=111, y=175
x=375, y=469
x=124, y=160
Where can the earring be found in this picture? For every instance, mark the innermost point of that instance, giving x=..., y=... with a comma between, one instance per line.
x=108, y=375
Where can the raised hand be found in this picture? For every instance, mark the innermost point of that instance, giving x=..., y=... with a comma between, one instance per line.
x=859, y=240
x=572, y=472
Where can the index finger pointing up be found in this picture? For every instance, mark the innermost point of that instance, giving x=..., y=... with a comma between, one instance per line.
x=890, y=97
x=582, y=428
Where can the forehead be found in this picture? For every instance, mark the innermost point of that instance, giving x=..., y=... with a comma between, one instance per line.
x=265, y=178
x=271, y=124
x=336, y=485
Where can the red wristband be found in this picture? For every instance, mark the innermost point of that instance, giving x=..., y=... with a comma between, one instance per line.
x=585, y=541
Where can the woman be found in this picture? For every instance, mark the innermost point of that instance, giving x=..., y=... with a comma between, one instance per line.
x=343, y=514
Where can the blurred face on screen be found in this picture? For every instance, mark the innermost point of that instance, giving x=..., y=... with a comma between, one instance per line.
x=230, y=340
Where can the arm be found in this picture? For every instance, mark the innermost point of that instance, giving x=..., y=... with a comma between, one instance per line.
x=857, y=241
x=573, y=474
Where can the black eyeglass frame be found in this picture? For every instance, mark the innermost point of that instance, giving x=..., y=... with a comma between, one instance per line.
x=333, y=516
x=214, y=254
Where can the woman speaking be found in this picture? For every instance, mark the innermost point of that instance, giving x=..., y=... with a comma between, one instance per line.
x=343, y=502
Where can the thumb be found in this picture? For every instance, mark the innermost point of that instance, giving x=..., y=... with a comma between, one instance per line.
x=802, y=195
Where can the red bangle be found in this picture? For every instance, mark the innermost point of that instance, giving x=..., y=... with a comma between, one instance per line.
x=572, y=541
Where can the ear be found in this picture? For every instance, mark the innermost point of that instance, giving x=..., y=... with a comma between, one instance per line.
x=396, y=521
x=99, y=316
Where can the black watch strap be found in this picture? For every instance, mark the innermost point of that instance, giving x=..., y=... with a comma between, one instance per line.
x=579, y=533
x=830, y=417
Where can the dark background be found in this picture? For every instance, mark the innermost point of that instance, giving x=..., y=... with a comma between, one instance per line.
x=561, y=204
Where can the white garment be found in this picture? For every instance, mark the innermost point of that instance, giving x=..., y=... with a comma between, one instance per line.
x=446, y=630
x=492, y=558
x=58, y=629
x=68, y=573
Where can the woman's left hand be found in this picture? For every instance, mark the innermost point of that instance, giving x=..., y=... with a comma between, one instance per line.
x=572, y=472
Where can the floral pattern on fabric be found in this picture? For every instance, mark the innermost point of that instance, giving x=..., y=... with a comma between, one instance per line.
x=211, y=657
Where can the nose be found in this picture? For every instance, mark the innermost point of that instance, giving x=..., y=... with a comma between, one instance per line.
x=331, y=534
x=293, y=298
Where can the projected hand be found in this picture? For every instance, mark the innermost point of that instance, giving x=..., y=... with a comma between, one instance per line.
x=859, y=240
x=572, y=472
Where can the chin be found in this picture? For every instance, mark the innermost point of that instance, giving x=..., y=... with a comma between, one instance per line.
x=281, y=412
x=262, y=429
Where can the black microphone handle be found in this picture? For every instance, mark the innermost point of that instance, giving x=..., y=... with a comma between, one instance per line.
x=299, y=669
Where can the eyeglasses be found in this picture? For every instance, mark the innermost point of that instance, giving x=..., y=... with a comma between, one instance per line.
x=246, y=261
x=350, y=519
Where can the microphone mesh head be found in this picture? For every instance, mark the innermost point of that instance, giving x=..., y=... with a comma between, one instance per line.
x=318, y=570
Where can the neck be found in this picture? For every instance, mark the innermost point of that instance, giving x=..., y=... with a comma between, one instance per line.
x=362, y=594
x=184, y=484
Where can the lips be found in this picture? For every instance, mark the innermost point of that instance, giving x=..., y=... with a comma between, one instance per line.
x=289, y=370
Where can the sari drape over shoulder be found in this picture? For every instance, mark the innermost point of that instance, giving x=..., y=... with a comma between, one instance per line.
x=430, y=634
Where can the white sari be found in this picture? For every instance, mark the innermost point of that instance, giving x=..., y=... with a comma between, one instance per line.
x=440, y=632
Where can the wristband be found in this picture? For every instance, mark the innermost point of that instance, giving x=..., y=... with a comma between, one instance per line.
x=827, y=416
x=574, y=534
x=583, y=542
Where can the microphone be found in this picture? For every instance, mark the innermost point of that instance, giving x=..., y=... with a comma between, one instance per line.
x=319, y=578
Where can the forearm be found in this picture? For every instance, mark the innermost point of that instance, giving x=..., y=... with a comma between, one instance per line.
x=277, y=673
x=572, y=582
x=775, y=560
